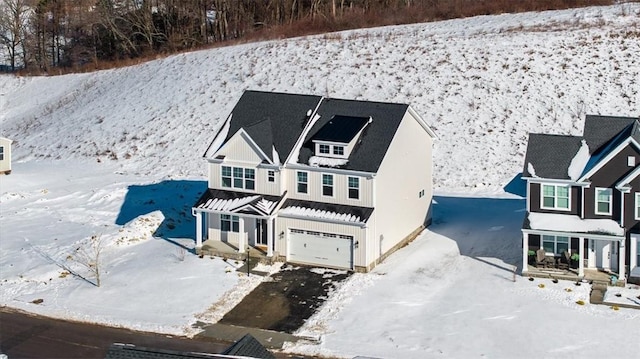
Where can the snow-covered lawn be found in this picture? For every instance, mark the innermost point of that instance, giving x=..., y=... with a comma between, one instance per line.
x=117, y=154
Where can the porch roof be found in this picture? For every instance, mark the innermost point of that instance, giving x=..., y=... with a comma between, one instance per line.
x=572, y=224
x=217, y=200
x=326, y=211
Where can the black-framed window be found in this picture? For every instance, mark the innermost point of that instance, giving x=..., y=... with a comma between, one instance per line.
x=327, y=185
x=238, y=177
x=338, y=150
x=325, y=149
x=229, y=223
x=354, y=187
x=303, y=182
x=271, y=176
x=226, y=176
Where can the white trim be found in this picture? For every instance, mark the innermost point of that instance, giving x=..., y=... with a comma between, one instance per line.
x=597, y=237
x=636, y=213
x=313, y=118
x=325, y=220
x=623, y=184
x=337, y=171
x=607, y=158
x=359, y=189
x=555, y=244
x=333, y=185
x=244, y=178
x=422, y=122
x=631, y=161
x=307, y=183
x=555, y=197
x=568, y=182
x=596, y=201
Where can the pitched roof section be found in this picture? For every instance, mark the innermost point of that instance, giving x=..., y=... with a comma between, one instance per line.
x=340, y=129
x=375, y=139
x=272, y=119
x=329, y=211
x=237, y=202
x=598, y=130
x=549, y=156
x=248, y=347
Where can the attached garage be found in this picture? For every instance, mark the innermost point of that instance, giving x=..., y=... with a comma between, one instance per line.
x=322, y=249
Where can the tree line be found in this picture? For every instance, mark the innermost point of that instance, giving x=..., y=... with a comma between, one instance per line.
x=41, y=35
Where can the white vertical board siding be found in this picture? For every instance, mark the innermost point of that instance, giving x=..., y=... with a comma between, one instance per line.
x=340, y=188
x=406, y=170
x=5, y=164
x=358, y=233
x=238, y=149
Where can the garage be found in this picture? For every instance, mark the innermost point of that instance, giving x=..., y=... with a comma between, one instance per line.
x=322, y=249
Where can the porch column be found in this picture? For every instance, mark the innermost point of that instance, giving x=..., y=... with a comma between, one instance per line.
x=581, y=259
x=270, y=237
x=621, y=256
x=241, y=236
x=199, y=229
x=525, y=252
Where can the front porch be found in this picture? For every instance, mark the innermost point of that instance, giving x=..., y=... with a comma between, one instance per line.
x=590, y=275
x=228, y=250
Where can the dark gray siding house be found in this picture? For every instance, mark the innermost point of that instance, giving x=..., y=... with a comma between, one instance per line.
x=583, y=199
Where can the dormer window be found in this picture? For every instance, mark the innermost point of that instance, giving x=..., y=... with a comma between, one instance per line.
x=338, y=150
x=324, y=149
x=338, y=137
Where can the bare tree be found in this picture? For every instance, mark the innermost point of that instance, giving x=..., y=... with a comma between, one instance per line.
x=89, y=255
x=13, y=17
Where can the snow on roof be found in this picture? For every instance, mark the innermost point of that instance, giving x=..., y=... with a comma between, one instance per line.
x=532, y=171
x=221, y=204
x=327, y=162
x=317, y=213
x=573, y=223
x=579, y=162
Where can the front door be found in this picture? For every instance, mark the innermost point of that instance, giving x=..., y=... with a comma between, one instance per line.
x=606, y=255
x=261, y=232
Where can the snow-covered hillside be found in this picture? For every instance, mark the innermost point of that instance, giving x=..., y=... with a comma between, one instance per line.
x=483, y=84
x=117, y=155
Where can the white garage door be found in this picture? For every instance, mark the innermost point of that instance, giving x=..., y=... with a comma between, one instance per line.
x=323, y=249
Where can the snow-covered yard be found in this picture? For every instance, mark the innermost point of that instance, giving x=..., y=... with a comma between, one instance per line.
x=116, y=154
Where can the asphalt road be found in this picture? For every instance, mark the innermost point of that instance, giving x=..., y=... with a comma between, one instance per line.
x=27, y=336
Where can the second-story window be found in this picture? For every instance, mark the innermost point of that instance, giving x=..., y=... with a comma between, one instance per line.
x=327, y=185
x=637, y=210
x=238, y=177
x=338, y=150
x=555, y=197
x=324, y=149
x=354, y=187
x=302, y=179
x=603, y=200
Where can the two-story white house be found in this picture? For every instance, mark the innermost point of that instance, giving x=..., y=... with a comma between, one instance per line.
x=314, y=180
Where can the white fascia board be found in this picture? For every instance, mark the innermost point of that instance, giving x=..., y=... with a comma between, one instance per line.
x=195, y=210
x=323, y=142
x=608, y=157
x=556, y=181
x=324, y=220
x=297, y=166
x=597, y=237
x=223, y=130
x=295, y=151
x=628, y=178
x=422, y=123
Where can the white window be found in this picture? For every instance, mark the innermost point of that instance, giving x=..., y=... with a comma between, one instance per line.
x=555, y=245
x=555, y=197
x=637, y=207
x=324, y=149
x=303, y=181
x=271, y=176
x=631, y=161
x=327, y=185
x=229, y=223
x=238, y=177
x=1, y=153
x=354, y=187
x=338, y=150
x=603, y=200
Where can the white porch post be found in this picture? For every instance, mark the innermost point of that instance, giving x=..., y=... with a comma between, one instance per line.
x=199, y=228
x=270, y=237
x=581, y=259
x=525, y=252
x=621, y=256
x=241, y=236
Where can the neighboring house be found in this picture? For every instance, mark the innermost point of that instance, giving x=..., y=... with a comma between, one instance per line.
x=5, y=155
x=583, y=196
x=320, y=181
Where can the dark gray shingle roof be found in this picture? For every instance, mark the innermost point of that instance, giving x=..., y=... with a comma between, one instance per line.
x=272, y=118
x=598, y=130
x=341, y=129
x=375, y=139
x=550, y=155
x=248, y=346
x=126, y=351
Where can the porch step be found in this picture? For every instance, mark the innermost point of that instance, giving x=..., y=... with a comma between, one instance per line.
x=598, y=289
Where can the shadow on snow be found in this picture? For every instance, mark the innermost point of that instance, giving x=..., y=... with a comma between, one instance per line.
x=174, y=198
x=483, y=228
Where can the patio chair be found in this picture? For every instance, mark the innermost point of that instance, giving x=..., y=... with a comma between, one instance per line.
x=564, y=261
x=541, y=259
